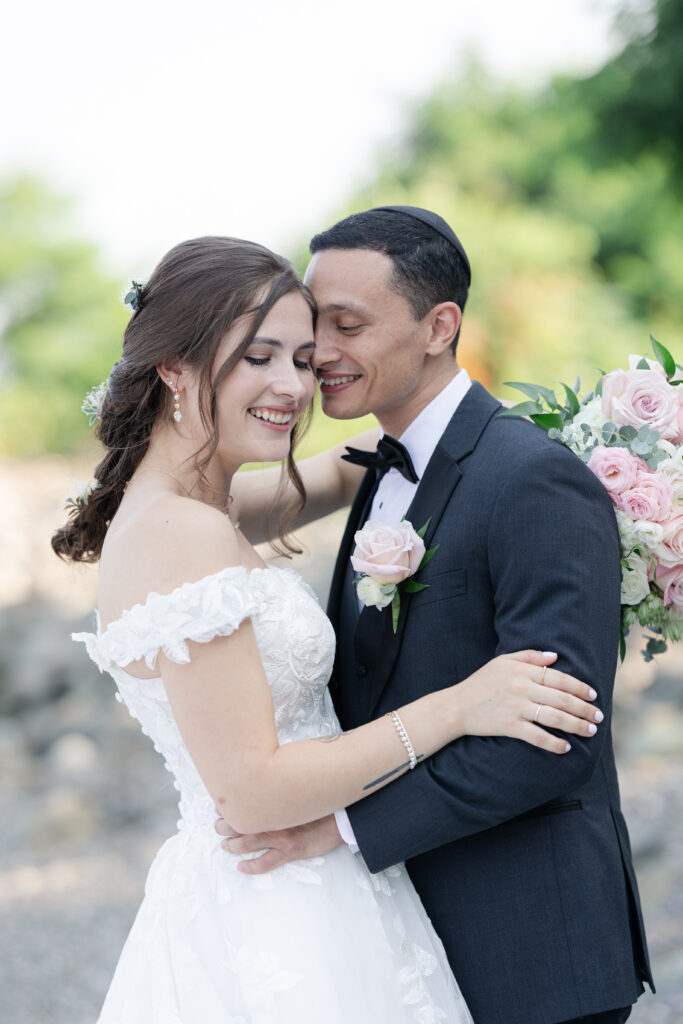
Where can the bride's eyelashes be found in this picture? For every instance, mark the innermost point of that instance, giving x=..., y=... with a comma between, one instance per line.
x=264, y=360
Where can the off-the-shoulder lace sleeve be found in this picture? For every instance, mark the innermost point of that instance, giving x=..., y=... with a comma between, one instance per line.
x=199, y=611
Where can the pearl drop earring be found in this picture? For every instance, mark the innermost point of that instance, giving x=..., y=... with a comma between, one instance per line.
x=177, y=415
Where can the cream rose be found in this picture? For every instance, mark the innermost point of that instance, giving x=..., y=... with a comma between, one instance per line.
x=389, y=554
x=642, y=398
x=635, y=585
x=648, y=534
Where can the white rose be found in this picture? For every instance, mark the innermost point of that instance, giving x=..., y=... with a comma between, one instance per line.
x=672, y=470
x=635, y=585
x=647, y=533
x=374, y=594
x=591, y=414
x=626, y=530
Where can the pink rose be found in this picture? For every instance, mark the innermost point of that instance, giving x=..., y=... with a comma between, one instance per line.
x=642, y=398
x=672, y=584
x=616, y=468
x=670, y=550
x=390, y=554
x=650, y=498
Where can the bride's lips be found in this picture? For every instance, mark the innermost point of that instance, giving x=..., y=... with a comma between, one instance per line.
x=277, y=418
x=330, y=383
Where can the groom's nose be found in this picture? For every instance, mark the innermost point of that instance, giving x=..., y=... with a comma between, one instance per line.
x=326, y=352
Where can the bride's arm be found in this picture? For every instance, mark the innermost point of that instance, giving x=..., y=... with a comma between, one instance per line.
x=330, y=484
x=223, y=707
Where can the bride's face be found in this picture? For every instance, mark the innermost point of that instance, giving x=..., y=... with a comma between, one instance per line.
x=259, y=402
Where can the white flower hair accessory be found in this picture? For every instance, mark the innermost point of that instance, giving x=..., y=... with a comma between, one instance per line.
x=79, y=499
x=93, y=402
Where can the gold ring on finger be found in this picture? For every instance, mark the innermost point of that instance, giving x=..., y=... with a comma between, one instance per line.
x=538, y=712
x=543, y=672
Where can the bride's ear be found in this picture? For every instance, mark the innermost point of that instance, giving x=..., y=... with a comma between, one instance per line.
x=173, y=373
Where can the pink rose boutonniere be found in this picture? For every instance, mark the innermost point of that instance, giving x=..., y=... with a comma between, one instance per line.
x=385, y=558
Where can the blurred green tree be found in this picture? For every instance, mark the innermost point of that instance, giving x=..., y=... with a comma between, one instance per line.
x=569, y=202
x=60, y=322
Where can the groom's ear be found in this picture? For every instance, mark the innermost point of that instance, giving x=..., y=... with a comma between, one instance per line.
x=443, y=323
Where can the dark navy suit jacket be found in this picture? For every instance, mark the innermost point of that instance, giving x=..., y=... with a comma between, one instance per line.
x=521, y=857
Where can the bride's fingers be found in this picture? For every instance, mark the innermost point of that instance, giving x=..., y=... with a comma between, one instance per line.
x=533, y=657
x=540, y=738
x=564, y=701
x=552, y=677
x=552, y=718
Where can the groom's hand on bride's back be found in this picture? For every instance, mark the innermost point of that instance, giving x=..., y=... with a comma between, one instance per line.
x=276, y=848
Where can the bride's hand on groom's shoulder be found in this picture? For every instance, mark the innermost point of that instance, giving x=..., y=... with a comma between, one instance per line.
x=277, y=848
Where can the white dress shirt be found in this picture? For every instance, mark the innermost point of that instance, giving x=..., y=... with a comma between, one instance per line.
x=395, y=493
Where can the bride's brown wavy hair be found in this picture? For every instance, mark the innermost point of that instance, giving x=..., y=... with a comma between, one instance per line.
x=199, y=290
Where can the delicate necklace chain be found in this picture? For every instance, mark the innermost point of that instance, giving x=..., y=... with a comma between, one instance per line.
x=165, y=472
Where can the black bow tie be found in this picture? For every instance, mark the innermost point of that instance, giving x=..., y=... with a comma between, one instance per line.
x=390, y=454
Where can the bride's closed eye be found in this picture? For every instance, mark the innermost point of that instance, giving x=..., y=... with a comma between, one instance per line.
x=264, y=360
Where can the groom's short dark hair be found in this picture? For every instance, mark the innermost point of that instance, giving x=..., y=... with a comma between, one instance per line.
x=427, y=269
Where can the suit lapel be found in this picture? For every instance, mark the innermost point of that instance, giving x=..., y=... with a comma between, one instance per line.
x=375, y=641
x=341, y=567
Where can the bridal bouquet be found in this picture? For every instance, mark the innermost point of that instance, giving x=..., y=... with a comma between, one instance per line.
x=629, y=431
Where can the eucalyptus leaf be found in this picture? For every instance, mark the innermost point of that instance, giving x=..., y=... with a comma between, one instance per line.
x=554, y=433
x=643, y=364
x=608, y=431
x=628, y=432
x=577, y=385
x=598, y=387
x=664, y=357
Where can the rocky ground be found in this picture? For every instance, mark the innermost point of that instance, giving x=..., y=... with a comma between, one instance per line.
x=85, y=801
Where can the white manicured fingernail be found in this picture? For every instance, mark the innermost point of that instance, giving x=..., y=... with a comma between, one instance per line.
x=592, y=694
x=592, y=729
x=599, y=716
x=549, y=654
x=567, y=748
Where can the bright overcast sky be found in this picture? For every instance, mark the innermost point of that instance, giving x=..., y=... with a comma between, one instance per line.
x=172, y=119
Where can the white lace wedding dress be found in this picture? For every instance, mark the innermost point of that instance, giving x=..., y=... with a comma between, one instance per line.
x=319, y=940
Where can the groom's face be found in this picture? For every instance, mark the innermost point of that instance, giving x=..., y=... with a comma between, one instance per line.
x=369, y=354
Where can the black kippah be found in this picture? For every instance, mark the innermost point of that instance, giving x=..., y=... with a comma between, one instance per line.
x=433, y=221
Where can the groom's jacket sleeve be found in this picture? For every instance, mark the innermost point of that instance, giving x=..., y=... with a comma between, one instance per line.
x=554, y=566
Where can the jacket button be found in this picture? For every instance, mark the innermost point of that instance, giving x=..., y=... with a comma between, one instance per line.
x=362, y=670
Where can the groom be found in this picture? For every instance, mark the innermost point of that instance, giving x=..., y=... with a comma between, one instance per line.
x=520, y=857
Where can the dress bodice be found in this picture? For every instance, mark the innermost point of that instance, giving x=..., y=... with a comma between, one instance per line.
x=296, y=643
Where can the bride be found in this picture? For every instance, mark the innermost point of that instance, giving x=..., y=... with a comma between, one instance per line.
x=225, y=660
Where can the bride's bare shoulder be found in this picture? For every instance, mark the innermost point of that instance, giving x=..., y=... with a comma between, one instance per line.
x=159, y=545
